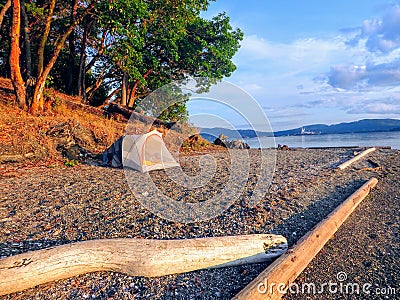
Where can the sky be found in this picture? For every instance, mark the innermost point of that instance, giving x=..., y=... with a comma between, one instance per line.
x=311, y=61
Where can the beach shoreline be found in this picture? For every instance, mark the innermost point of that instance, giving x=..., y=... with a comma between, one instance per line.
x=43, y=207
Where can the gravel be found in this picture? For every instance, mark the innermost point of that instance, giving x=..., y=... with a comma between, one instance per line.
x=46, y=206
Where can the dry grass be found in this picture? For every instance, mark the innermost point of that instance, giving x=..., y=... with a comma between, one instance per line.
x=23, y=135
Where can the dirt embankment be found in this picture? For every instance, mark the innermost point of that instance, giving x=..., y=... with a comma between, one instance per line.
x=67, y=130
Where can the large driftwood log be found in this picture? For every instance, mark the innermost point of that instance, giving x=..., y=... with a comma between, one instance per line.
x=136, y=257
x=274, y=281
x=114, y=108
x=354, y=159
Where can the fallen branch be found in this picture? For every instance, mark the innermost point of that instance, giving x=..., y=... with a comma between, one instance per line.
x=129, y=114
x=373, y=164
x=135, y=257
x=354, y=159
x=286, y=268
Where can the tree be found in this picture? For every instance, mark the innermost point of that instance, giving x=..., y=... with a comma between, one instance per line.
x=123, y=48
x=45, y=61
x=16, y=76
x=43, y=72
x=4, y=10
x=167, y=42
x=204, y=48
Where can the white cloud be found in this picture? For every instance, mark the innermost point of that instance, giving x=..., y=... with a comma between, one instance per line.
x=347, y=77
x=313, y=79
x=303, y=52
x=271, y=70
x=383, y=35
x=377, y=108
x=379, y=42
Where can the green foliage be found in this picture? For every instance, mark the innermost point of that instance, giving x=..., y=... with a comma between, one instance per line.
x=170, y=41
x=71, y=163
x=36, y=11
x=152, y=42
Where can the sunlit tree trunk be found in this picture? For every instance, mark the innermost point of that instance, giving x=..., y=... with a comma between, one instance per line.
x=132, y=94
x=124, y=89
x=38, y=101
x=15, y=52
x=133, y=91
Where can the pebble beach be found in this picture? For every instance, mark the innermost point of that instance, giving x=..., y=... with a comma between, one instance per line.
x=46, y=206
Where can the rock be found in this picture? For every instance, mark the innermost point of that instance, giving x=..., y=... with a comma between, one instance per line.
x=74, y=152
x=71, y=141
x=61, y=135
x=220, y=142
x=284, y=147
x=83, y=136
x=235, y=144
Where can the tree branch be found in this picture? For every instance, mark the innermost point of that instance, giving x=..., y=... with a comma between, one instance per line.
x=4, y=10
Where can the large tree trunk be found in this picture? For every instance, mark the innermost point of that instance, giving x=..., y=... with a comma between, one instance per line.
x=15, y=52
x=38, y=101
x=30, y=80
x=124, y=89
x=4, y=11
x=132, y=93
x=133, y=90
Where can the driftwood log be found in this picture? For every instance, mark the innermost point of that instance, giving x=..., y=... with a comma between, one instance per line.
x=114, y=108
x=355, y=158
x=135, y=257
x=274, y=281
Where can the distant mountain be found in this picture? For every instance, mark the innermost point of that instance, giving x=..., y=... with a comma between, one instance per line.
x=212, y=133
x=365, y=125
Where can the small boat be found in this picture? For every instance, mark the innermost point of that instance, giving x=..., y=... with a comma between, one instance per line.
x=305, y=132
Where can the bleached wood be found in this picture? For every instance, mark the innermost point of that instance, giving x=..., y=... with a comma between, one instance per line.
x=355, y=158
x=288, y=267
x=136, y=257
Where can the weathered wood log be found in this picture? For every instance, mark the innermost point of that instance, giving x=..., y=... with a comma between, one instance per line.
x=136, y=257
x=333, y=147
x=354, y=159
x=114, y=108
x=274, y=281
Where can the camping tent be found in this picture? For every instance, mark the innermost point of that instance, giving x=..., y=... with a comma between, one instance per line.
x=144, y=153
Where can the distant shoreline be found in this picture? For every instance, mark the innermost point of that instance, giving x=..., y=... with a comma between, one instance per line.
x=361, y=126
x=342, y=140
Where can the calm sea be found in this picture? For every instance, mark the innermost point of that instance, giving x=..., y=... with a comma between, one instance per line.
x=332, y=140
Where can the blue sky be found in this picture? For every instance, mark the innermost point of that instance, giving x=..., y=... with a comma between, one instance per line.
x=308, y=62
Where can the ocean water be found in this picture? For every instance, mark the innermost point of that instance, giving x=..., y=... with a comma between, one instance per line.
x=368, y=139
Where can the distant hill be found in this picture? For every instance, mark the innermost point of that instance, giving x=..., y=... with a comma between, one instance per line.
x=212, y=133
x=365, y=125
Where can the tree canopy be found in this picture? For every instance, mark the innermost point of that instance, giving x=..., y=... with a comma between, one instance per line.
x=110, y=49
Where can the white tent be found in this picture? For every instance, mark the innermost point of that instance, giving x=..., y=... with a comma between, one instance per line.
x=146, y=152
